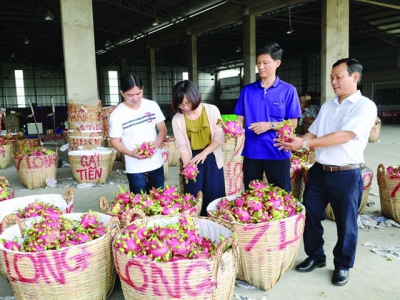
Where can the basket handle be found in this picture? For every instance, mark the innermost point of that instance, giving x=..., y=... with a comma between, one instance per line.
x=69, y=195
x=229, y=214
x=220, y=250
x=113, y=227
x=103, y=204
x=2, y=178
x=381, y=176
x=9, y=220
x=135, y=212
x=21, y=224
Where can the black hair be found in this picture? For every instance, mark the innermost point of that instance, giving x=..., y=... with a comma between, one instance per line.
x=353, y=65
x=272, y=49
x=182, y=89
x=129, y=81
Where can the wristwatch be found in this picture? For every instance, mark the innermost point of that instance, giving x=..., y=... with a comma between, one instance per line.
x=305, y=147
x=272, y=125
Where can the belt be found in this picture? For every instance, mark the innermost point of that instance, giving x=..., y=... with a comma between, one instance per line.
x=330, y=168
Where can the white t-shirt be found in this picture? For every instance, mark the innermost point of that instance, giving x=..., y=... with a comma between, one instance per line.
x=357, y=114
x=135, y=127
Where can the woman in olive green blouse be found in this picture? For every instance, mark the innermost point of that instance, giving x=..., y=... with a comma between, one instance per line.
x=199, y=139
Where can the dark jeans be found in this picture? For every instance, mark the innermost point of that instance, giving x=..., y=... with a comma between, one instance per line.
x=343, y=190
x=210, y=181
x=144, y=182
x=276, y=171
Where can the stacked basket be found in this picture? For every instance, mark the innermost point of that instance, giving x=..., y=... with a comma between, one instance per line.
x=85, y=123
x=389, y=192
x=233, y=165
x=375, y=131
x=5, y=153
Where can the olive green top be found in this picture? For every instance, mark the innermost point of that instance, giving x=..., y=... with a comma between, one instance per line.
x=198, y=131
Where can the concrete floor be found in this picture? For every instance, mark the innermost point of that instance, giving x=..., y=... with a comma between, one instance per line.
x=373, y=276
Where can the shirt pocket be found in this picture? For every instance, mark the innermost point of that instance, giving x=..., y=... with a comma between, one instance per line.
x=278, y=110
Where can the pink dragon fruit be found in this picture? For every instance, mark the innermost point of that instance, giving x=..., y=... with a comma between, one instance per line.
x=90, y=220
x=147, y=149
x=11, y=245
x=231, y=128
x=285, y=129
x=37, y=209
x=190, y=172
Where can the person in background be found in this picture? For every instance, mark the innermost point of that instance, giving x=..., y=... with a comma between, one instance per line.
x=339, y=134
x=262, y=106
x=199, y=139
x=134, y=121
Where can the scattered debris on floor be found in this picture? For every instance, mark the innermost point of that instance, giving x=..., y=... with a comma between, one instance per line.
x=375, y=222
x=238, y=297
x=387, y=252
x=7, y=298
x=244, y=285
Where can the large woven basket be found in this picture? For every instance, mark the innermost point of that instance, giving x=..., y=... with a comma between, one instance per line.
x=92, y=166
x=389, y=193
x=33, y=170
x=134, y=213
x=27, y=143
x=10, y=190
x=8, y=208
x=78, y=142
x=197, y=279
x=5, y=155
x=266, y=250
x=367, y=175
x=375, y=131
x=83, y=271
x=80, y=108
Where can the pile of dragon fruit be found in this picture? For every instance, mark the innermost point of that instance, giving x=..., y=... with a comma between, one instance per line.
x=285, y=129
x=38, y=209
x=175, y=241
x=146, y=148
x=32, y=151
x=393, y=170
x=57, y=231
x=190, y=171
x=260, y=203
x=4, y=142
x=5, y=190
x=167, y=201
x=231, y=128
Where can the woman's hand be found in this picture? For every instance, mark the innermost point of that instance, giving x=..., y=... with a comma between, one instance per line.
x=199, y=158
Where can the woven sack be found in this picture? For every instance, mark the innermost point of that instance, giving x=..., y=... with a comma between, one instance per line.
x=135, y=213
x=83, y=271
x=10, y=190
x=367, y=175
x=92, y=166
x=196, y=279
x=33, y=170
x=389, y=193
x=266, y=250
x=8, y=208
x=375, y=131
x=5, y=156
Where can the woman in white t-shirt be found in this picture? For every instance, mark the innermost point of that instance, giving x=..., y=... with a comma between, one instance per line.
x=134, y=121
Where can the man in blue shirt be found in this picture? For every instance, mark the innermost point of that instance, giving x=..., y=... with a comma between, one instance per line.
x=262, y=106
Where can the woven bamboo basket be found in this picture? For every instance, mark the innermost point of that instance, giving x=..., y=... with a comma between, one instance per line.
x=389, y=193
x=8, y=187
x=5, y=155
x=134, y=213
x=266, y=250
x=367, y=175
x=9, y=208
x=197, y=279
x=84, y=142
x=105, y=113
x=295, y=180
x=233, y=177
x=232, y=149
x=33, y=170
x=92, y=166
x=174, y=154
x=83, y=271
x=375, y=131
x=27, y=143
x=76, y=108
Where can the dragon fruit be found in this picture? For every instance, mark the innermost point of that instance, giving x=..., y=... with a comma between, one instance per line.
x=38, y=209
x=285, y=129
x=11, y=245
x=175, y=241
x=147, y=149
x=261, y=203
x=56, y=231
x=190, y=172
x=231, y=128
x=393, y=170
x=32, y=151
